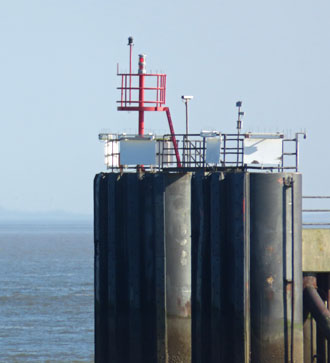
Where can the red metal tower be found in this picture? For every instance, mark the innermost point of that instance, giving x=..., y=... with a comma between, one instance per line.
x=154, y=101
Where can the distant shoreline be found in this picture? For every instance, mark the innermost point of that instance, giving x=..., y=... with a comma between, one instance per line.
x=46, y=225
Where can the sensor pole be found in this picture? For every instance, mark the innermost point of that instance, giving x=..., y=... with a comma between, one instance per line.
x=187, y=118
x=240, y=114
x=186, y=99
x=142, y=72
x=130, y=43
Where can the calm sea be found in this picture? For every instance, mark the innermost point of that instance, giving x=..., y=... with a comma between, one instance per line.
x=46, y=293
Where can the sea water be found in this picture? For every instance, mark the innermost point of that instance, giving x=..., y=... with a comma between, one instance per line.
x=46, y=292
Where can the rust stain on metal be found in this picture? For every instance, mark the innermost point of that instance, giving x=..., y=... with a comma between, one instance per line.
x=270, y=280
x=269, y=289
x=310, y=281
x=188, y=308
x=270, y=294
x=270, y=249
x=280, y=181
x=185, y=310
x=288, y=287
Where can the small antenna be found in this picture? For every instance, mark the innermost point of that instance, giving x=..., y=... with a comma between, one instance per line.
x=130, y=44
x=239, y=116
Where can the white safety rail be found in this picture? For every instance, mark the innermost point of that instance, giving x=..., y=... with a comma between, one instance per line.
x=210, y=150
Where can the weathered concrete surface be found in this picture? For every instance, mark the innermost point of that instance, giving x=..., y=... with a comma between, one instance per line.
x=316, y=250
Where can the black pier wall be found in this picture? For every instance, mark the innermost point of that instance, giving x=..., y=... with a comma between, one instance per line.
x=220, y=290
x=129, y=268
x=246, y=276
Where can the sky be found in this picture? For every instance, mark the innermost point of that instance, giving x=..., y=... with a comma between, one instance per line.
x=58, y=83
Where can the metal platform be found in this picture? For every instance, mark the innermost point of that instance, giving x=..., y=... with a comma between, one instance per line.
x=208, y=150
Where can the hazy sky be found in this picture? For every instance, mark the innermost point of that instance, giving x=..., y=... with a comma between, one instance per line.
x=58, y=83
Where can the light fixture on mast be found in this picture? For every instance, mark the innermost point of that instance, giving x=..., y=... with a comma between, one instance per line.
x=152, y=100
x=186, y=99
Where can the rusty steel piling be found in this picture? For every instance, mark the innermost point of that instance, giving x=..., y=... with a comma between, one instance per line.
x=178, y=266
x=199, y=268
x=276, y=270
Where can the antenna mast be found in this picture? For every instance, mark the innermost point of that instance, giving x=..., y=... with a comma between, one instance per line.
x=142, y=104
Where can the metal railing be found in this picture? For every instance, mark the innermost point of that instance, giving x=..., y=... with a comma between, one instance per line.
x=193, y=153
x=157, y=96
x=192, y=149
x=317, y=211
